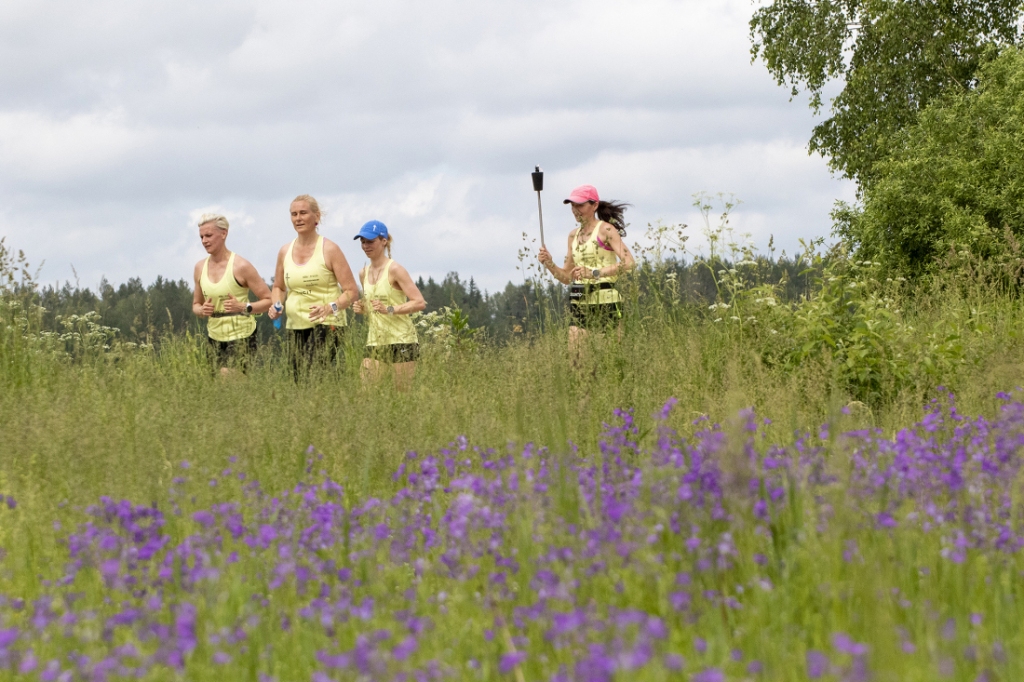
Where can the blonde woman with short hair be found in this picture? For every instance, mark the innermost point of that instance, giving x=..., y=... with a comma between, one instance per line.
x=223, y=282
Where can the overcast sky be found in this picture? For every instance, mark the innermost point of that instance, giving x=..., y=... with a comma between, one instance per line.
x=121, y=122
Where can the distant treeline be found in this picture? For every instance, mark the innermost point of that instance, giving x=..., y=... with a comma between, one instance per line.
x=145, y=313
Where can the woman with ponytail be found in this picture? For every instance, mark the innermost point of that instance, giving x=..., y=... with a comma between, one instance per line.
x=597, y=254
x=389, y=297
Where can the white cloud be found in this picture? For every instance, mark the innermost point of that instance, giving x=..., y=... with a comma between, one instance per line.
x=45, y=149
x=120, y=120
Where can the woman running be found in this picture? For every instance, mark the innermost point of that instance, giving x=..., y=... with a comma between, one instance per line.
x=596, y=256
x=310, y=269
x=389, y=296
x=223, y=283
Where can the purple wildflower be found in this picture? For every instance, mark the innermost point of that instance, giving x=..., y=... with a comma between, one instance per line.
x=817, y=664
x=709, y=675
x=509, y=661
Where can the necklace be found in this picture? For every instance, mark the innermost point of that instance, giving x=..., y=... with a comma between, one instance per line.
x=376, y=277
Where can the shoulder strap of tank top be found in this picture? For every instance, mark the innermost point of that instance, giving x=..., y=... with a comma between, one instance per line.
x=229, y=269
x=288, y=254
x=205, y=274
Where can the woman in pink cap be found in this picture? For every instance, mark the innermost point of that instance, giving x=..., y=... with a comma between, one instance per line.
x=596, y=256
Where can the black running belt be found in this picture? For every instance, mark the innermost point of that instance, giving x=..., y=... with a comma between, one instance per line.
x=578, y=290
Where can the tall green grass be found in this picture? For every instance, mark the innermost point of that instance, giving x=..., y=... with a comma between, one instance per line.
x=120, y=423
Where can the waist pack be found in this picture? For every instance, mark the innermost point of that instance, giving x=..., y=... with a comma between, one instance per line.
x=579, y=290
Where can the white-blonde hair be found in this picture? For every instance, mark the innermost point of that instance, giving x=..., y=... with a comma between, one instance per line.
x=215, y=218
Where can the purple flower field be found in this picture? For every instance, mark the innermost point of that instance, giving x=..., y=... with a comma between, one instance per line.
x=720, y=556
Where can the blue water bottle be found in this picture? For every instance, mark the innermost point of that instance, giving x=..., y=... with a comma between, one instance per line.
x=278, y=307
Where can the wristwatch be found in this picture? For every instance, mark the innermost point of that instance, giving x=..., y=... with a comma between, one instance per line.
x=248, y=308
x=334, y=307
x=595, y=273
x=391, y=310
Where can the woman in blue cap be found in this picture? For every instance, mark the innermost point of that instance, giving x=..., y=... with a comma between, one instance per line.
x=389, y=297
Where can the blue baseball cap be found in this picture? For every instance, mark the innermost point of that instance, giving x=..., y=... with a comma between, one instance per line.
x=372, y=230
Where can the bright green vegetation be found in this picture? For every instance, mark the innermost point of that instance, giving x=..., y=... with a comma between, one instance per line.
x=951, y=187
x=120, y=422
x=893, y=58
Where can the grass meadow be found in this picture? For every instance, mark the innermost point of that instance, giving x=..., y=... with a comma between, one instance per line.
x=745, y=518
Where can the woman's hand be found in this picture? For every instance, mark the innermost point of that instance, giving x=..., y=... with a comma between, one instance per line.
x=233, y=306
x=274, y=313
x=379, y=307
x=544, y=256
x=578, y=273
x=357, y=306
x=319, y=312
x=206, y=309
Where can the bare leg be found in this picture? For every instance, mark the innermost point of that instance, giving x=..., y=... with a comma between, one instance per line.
x=404, y=373
x=371, y=370
x=577, y=339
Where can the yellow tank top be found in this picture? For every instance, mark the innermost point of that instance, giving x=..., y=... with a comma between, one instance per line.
x=311, y=283
x=591, y=256
x=232, y=327
x=386, y=330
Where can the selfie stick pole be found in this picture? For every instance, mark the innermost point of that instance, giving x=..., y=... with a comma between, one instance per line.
x=538, y=185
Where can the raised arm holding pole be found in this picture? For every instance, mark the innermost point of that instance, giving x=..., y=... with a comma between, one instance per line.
x=538, y=187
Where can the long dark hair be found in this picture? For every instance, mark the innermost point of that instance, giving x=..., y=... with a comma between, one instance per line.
x=611, y=213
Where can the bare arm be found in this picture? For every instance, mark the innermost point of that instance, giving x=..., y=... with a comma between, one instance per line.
x=610, y=236
x=200, y=305
x=357, y=305
x=563, y=274
x=245, y=274
x=336, y=262
x=400, y=279
x=277, y=294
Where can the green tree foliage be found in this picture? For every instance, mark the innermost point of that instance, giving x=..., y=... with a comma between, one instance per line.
x=145, y=314
x=954, y=184
x=141, y=313
x=893, y=58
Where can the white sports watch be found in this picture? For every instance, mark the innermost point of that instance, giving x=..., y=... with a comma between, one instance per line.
x=334, y=307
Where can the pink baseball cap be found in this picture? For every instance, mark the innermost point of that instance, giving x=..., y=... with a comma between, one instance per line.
x=582, y=195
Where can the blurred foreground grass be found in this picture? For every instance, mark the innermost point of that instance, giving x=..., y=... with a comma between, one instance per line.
x=76, y=430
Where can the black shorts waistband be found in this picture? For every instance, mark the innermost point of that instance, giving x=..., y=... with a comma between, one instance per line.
x=595, y=286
